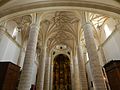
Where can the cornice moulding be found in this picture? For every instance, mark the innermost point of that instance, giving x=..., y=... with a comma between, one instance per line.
x=82, y=4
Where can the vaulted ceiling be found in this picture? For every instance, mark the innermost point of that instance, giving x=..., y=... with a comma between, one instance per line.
x=61, y=25
x=60, y=28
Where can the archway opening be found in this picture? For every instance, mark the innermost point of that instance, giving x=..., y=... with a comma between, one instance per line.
x=61, y=73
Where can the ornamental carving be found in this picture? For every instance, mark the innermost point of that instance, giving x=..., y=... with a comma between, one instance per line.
x=60, y=28
x=23, y=23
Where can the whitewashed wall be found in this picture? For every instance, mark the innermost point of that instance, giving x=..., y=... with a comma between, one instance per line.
x=112, y=47
x=10, y=25
x=9, y=51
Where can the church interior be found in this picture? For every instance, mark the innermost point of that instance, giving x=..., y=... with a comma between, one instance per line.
x=59, y=45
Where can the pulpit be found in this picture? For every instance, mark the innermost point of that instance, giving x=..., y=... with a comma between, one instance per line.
x=112, y=70
x=9, y=74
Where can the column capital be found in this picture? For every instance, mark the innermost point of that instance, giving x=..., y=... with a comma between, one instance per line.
x=87, y=23
x=35, y=26
x=21, y=21
x=84, y=19
x=36, y=19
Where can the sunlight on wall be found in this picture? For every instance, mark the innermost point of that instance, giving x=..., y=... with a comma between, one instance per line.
x=87, y=57
x=107, y=30
x=15, y=32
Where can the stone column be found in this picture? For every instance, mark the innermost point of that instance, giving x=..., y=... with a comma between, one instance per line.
x=76, y=74
x=26, y=75
x=47, y=74
x=82, y=71
x=41, y=69
x=96, y=69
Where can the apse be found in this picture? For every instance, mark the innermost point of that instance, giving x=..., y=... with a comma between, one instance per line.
x=61, y=73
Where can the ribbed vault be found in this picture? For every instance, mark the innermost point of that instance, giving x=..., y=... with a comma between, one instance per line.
x=60, y=28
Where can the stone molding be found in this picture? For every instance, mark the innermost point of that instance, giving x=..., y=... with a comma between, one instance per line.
x=45, y=4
